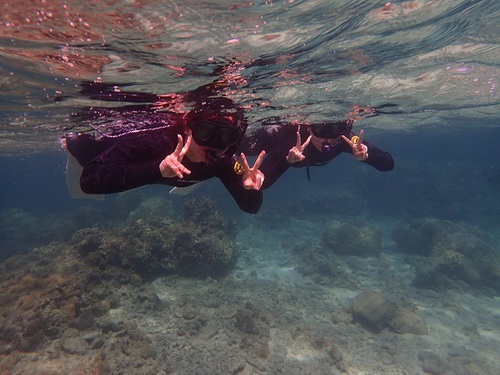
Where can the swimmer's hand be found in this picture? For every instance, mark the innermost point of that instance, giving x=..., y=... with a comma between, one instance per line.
x=172, y=165
x=296, y=152
x=359, y=150
x=253, y=178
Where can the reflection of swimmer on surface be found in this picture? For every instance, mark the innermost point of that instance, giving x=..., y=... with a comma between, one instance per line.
x=173, y=149
x=323, y=142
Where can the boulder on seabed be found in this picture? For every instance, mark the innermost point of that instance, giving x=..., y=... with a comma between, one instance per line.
x=352, y=238
x=378, y=311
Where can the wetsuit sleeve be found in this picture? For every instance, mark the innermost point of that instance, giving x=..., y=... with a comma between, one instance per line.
x=248, y=200
x=380, y=160
x=130, y=163
x=273, y=166
x=276, y=143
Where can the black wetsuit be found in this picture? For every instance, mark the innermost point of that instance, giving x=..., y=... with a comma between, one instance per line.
x=119, y=163
x=277, y=141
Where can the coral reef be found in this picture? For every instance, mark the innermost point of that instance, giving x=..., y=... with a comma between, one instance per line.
x=322, y=265
x=352, y=237
x=200, y=245
x=456, y=256
x=58, y=298
x=43, y=294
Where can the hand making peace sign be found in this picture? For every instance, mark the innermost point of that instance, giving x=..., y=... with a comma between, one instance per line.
x=296, y=152
x=253, y=178
x=172, y=165
x=359, y=150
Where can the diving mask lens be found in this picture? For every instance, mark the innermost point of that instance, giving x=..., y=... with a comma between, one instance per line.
x=228, y=135
x=212, y=134
x=203, y=131
x=328, y=131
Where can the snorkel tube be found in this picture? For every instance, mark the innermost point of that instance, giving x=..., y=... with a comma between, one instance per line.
x=331, y=148
x=328, y=148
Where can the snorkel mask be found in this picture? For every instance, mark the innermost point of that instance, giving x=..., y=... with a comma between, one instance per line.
x=220, y=133
x=331, y=131
x=217, y=123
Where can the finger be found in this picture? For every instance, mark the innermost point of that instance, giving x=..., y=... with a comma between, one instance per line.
x=360, y=136
x=365, y=149
x=248, y=183
x=260, y=181
x=180, y=144
x=348, y=141
x=306, y=143
x=186, y=146
x=299, y=139
x=259, y=160
x=184, y=169
x=181, y=170
x=177, y=171
x=256, y=185
x=244, y=161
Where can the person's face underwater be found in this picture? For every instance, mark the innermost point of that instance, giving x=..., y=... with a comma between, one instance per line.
x=325, y=136
x=212, y=138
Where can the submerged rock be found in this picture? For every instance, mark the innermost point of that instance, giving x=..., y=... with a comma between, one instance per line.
x=245, y=321
x=431, y=363
x=352, y=238
x=377, y=311
x=456, y=256
x=418, y=237
x=75, y=345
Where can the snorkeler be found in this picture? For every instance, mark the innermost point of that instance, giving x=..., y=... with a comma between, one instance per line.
x=176, y=149
x=323, y=142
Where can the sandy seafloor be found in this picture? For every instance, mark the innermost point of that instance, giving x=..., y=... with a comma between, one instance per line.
x=264, y=317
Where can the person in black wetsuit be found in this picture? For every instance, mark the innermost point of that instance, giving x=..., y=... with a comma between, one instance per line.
x=174, y=149
x=323, y=142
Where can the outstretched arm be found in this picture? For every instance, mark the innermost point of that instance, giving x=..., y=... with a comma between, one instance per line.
x=359, y=149
x=231, y=176
x=369, y=154
x=278, y=142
